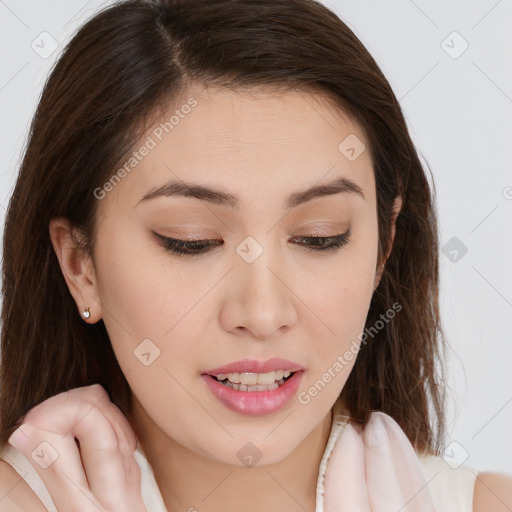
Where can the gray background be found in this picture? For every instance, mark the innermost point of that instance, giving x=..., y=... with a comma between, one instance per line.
x=458, y=106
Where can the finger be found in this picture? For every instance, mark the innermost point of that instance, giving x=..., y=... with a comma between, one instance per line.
x=57, y=462
x=127, y=440
x=116, y=418
x=112, y=474
x=104, y=447
x=97, y=476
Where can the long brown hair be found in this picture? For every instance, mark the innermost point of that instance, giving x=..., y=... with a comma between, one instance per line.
x=120, y=68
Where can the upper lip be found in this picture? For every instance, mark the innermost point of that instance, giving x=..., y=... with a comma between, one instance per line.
x=255, y=366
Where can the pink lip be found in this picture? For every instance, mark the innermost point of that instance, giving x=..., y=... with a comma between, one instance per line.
x=255, y=366
x=254, y=403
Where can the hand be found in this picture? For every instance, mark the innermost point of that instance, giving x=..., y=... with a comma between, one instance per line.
x=95, y=472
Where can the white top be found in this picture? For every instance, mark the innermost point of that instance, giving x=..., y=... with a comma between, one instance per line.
x=451, y=489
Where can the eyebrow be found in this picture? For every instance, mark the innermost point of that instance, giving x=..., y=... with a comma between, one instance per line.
x=216, y=196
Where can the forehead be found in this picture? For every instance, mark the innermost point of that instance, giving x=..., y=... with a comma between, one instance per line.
x=248, y=142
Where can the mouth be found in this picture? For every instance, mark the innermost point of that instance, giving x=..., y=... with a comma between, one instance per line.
x=253, y=386
x=254, y=381
x=255, y=393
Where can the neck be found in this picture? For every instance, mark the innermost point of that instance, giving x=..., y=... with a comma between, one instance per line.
x=190, y=482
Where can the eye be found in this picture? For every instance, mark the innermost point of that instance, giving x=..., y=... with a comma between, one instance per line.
x=197, y=247
x=188, y=247
x=325, y=243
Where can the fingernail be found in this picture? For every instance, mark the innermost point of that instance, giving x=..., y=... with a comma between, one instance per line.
x=18, y=438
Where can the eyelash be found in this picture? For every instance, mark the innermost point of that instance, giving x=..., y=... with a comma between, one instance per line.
x=182, y=247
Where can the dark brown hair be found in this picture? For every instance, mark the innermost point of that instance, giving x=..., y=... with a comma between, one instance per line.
x=120, y=68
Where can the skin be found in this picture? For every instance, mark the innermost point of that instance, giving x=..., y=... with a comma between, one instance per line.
x=245, y=145
x=81, y=446
x=205, y=311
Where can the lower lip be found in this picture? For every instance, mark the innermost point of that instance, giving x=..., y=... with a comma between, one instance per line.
x=255, y=403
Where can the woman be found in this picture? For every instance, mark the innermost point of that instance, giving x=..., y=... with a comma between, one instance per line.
x=227, y=194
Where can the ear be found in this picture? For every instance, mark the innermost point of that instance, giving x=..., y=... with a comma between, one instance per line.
x=77, y=269
x=397, y=206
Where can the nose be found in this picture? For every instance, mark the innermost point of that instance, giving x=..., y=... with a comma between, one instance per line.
x=259, y=301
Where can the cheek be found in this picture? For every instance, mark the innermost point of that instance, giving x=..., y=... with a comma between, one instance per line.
x=139, y=285
x=342, y=288
x=149, y=304
x=338, y=299
x=337, y=313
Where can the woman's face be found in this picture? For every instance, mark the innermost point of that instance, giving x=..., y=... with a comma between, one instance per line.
x=257, y=292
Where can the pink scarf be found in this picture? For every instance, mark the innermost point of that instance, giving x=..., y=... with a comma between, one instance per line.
x=371, y=470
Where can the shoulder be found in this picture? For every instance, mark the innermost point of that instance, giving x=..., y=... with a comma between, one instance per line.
x=15, y=493
x=493, y=491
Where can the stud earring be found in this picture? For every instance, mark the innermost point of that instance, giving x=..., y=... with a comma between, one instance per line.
x=86, y=313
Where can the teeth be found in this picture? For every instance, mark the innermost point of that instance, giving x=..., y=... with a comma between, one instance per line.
x=257, y=387
x=255, y=379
